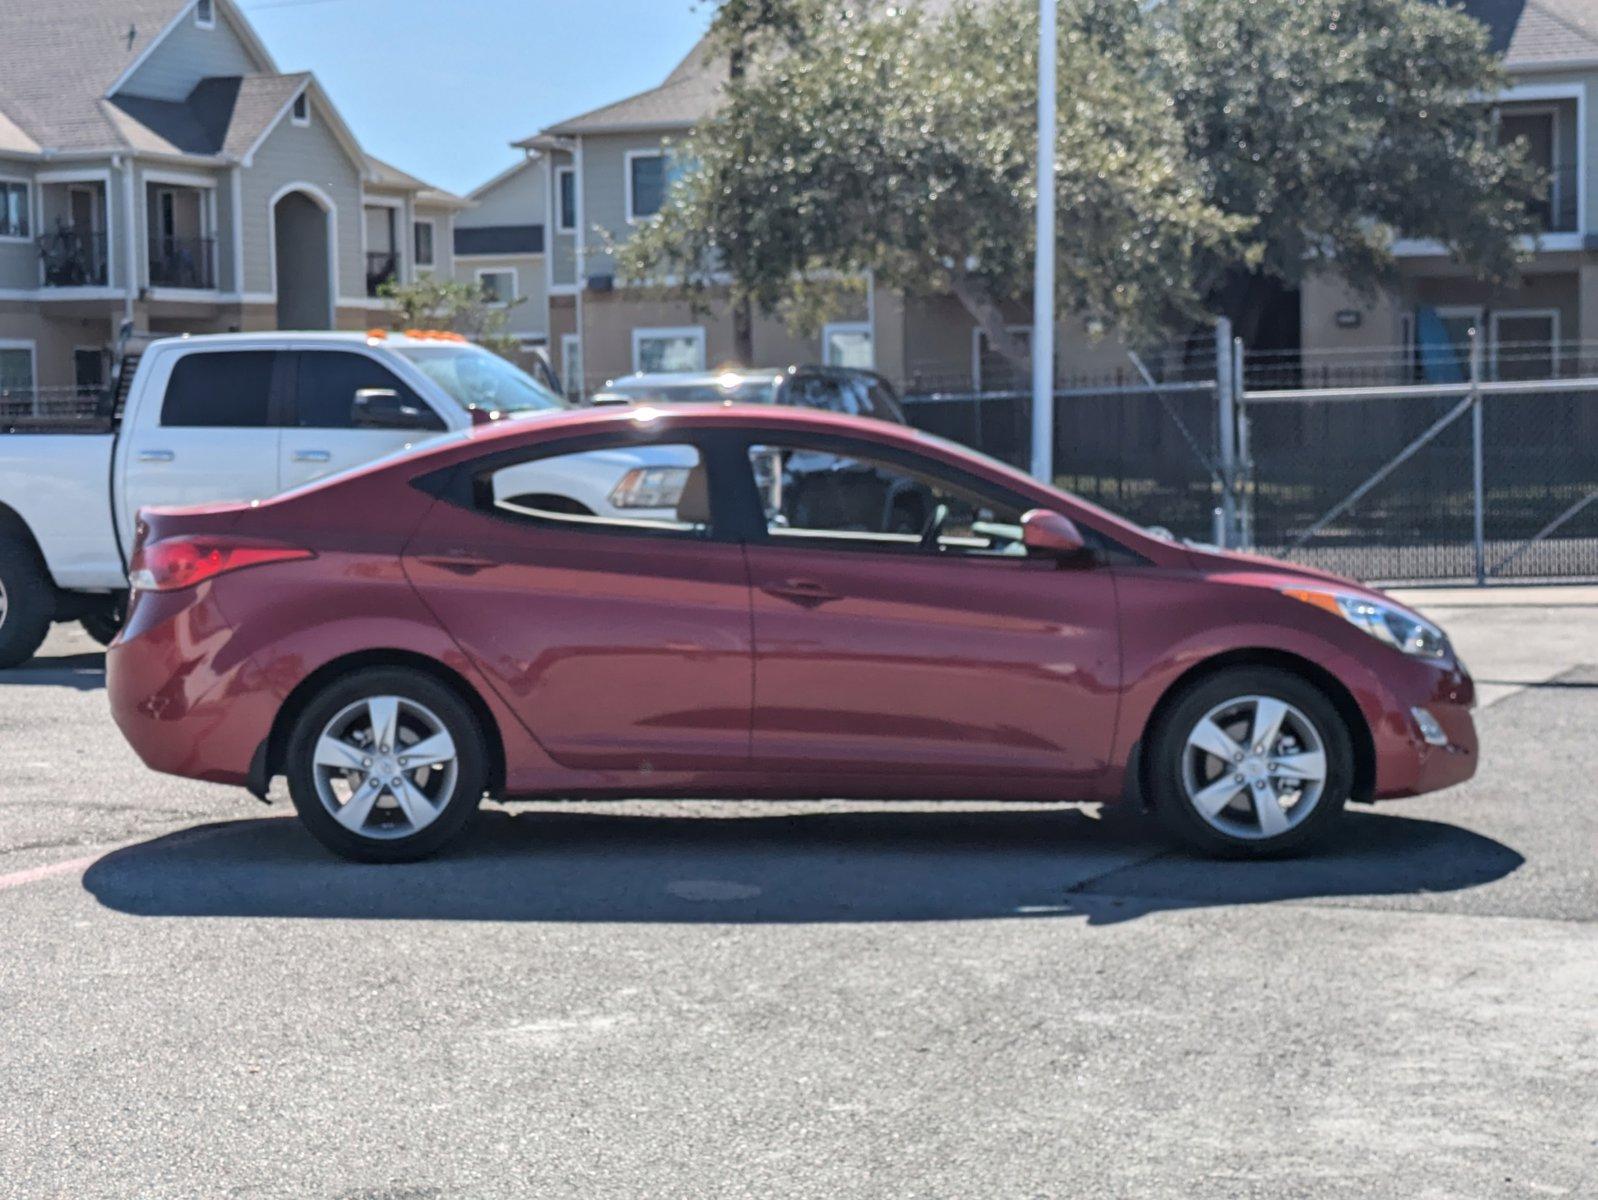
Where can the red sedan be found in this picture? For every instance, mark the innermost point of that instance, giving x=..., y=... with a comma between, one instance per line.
x=807, y=605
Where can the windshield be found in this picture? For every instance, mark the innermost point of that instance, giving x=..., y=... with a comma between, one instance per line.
x=745, y=391
x=479, y=379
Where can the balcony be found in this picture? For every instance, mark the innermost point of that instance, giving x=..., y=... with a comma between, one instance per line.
x=74, y=256
x=381, y=266
x=1556, y=211
x=179, y=262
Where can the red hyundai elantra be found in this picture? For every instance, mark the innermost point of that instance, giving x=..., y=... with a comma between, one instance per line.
x=803, y=606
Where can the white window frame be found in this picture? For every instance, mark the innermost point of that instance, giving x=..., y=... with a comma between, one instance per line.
x=846, y=327
x=515, y=284
x=29, y=200
x=431, y=223
x=631, y=157
x=104, y=224
x=694, y=332
x=200, y=8
x=1492, y=337
x=32, y=348
x=560, y=215
x=976, y=350
x=299, y=101
x=571, y=355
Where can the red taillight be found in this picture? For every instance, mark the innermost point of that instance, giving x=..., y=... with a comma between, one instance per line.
x=182, y=562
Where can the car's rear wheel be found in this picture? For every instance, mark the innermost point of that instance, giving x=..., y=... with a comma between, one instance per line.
x=1251, y=762
x=27, y=603
x=387, y=765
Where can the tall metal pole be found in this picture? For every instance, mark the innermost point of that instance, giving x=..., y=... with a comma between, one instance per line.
x=1226, y=430
x=1043, y=273
x=1477, y=463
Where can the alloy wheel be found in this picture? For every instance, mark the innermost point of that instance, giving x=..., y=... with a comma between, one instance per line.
x=1254, y=767
x=385, y=767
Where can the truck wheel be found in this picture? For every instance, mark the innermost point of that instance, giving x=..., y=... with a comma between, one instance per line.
x=27, y=604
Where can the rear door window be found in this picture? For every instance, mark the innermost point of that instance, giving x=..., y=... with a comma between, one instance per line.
x=224, y=389
x=657, y=488
x=326, y=382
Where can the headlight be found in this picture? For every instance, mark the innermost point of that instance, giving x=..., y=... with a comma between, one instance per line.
x=1385, y=622
x=650, y=487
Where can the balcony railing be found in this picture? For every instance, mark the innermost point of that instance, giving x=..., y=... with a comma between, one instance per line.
x=182, y=262
x=381, y=266
x=73, y=257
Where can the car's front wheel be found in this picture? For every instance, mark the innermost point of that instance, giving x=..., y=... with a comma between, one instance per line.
x=386, y=765
x=1249, y=763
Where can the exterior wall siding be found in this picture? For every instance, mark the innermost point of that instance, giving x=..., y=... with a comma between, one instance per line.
x=189, y=54
x=529, y=318
x=309, y=154
x=519, y=199
x=19, y=259
x=443, y=220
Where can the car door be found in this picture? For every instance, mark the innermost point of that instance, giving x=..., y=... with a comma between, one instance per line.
x=321, y=436
x=879, y=650
x=206, y=431
x=622, y=643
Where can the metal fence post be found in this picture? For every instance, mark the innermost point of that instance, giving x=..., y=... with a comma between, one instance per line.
x=1477, y=454
x=1245, y=455
x=1226, y=425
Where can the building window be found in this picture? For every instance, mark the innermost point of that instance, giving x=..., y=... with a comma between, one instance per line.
x=669, y=349
x=16, y=367
x=848, y=345
x=14, y=221
x=566, y=198
x=302, y=110
x=498, y=285
x=205, y=14
x=571, y=366
x=425, y=233
x=646, y=183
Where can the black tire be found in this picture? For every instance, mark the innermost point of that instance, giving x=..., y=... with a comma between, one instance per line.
x=1168, y=745
x=456, y=812
x=103, y=626
x=29, y=602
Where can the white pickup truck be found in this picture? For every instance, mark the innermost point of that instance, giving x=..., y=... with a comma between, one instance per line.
x=243, y=417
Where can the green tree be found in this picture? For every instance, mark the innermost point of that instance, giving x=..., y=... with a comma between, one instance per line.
x=1333, y=126
x=887, y=141
x=431, y=303
x=1210, y=153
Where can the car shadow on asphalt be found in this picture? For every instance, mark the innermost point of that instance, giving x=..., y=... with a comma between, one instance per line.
x=83, y=672
x=836, y=866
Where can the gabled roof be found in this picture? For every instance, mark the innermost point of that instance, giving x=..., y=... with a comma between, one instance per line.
x=386, y=175
x=1532, y=32
x=61, y=59
x=226, y=115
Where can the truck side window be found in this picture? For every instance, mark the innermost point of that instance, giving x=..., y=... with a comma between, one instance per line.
x=227, y=389
x=327, y=381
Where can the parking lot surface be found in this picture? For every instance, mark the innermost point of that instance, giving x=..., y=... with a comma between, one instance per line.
x=676, y=999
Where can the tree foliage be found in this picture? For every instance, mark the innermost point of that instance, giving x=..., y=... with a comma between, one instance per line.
x=1208, y=149
x=432, y=303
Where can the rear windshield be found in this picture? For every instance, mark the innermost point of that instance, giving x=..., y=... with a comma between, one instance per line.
x=479, y=379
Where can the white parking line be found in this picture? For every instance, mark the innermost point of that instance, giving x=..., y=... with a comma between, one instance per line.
x=48, y=871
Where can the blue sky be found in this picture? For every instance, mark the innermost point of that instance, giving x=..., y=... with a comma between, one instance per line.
x=438, y=87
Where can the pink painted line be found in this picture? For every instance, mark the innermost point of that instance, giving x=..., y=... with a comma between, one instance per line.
x=35, y=874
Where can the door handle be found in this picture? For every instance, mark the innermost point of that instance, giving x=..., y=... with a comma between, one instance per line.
x=806, y=592
x=458, y=562
x=312, y=456
x=156, y=456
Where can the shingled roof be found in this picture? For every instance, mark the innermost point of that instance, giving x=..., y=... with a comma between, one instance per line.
x=1538, y=32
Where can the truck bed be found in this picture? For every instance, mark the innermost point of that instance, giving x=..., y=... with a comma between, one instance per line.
x=59, y=483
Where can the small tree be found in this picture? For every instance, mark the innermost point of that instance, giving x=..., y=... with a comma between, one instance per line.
x=883, y=140
x=431, y=303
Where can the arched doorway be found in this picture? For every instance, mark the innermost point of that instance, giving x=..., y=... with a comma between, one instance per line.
x=302, y=227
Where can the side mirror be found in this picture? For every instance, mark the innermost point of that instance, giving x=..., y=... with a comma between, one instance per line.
x=1045, y=532
x=382, y=408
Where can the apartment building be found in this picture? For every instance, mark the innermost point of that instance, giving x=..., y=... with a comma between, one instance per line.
x=1532, y=325
x=157, y=167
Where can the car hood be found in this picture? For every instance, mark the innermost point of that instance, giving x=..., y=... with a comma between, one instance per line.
x=1237, y=567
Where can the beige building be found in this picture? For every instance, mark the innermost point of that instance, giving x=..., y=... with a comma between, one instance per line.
x=1535, y=325
x=157, y=168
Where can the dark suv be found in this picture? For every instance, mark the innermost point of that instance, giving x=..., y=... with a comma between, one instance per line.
x=832, y=389
x=816, y=490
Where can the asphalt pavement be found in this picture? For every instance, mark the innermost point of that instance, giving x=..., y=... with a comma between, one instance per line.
x=679, y=999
